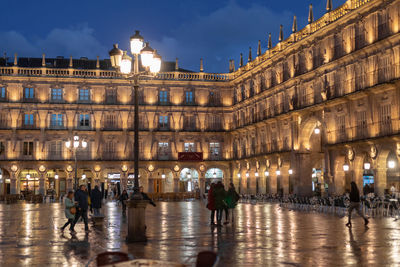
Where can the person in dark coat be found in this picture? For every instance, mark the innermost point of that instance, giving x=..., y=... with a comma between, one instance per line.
x=146, y=197
x=123, y=198
x=220, y=204
x=95, y=197
x=81, y=198
x=211, y=203
x=232, y=198
x=355, y=204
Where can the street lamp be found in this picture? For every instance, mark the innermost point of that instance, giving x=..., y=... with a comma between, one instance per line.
x=122, y=62
x=74, y=146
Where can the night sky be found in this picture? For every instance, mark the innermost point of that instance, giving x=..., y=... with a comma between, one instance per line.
x=216, y=30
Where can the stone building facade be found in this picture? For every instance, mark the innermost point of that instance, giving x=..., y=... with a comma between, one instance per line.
x=308, y=116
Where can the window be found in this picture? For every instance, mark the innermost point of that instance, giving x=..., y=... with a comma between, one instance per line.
x=385, y=119
x=214, y=98
x=84, y=120
x=362, y=124
x=189, y=123
x=56, y=149
x=111, y=96
x=3, y=92
x=29, y=93
x=163, y=122
x=56, y=120
x=28, y=120
x=2, y=148
x=341, y=126
x=189, y=97
x=215, y=150
x=28, y=149
x=190, y=147
x=57, y=94
x=84, y=95
x=111, y=121
x=163, y=97
x=109, y=151
x=163, y=149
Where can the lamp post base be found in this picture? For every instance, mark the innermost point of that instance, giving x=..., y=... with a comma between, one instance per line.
x=136, y=220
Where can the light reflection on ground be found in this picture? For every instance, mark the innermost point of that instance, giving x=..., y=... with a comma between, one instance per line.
x=263, y=235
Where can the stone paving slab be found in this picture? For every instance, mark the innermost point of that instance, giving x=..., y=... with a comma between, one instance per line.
x=263, y=235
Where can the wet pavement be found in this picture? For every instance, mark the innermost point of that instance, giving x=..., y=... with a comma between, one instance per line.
x=263, y=235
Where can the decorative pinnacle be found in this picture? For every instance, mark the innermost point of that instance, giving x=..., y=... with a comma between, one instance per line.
x=259, y=48
x=241, y=60
x=269, y=41
x=294, y=27
x=250, y=57
x=328, y=5
x=310, y=15
x=281, y=33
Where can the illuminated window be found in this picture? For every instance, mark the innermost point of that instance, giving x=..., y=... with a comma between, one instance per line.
x=57, y=94
x=84, y=94
x=84, y=120
x=56, y=120
x=189, y=97
x=3, y=92
x=29, y=93
x=28, y=149
x=190, y=147
x=163, y=97
x=28, y=120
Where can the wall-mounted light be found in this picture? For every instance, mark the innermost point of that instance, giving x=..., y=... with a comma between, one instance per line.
x=163, y=176
x=278, y=172
x=367, y=166
x=83, y=176
x=317, y=130
x=256, y=174
x=391, y=164
x=238, y=175
x=247, y=174
x=290, y=171
x=346, y=167
x=56, y=176
x=266, y=173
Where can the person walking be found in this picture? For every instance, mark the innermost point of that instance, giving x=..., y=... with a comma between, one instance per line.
x=95, y=197
x=81, y=197
x=123, y=198
x=219, y=195
x=211, y=203
x=232, y=198
x=69, y=206
x=355, y=204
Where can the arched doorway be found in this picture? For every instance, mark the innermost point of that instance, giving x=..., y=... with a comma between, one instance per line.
x=189, y=180
x=163, y=181
x=213, y=175
x=29, y=182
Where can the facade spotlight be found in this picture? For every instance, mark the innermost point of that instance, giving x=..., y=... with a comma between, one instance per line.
x=317, y=130
x=163, y=176
x=238, y=175
x=290, y=171
x=278, y=172
x=256, y=174
x=266, y=173
x=346, y=167
x=367, y=166
x=56, y=176
x=391, y=164
x=247, y=174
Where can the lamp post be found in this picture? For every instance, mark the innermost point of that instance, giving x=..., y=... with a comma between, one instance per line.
x=74, y=146
x=151, y=62
x=122, y=63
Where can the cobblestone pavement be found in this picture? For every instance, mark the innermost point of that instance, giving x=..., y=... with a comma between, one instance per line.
x=263, y=235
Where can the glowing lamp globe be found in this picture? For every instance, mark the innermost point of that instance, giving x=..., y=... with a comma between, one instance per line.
x=126, y=64
x=156, y=63
x=115, y=56
x=147, y=55
x=136, y=43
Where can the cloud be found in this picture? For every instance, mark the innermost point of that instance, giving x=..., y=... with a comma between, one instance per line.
x=76, y=41
x=222, y=35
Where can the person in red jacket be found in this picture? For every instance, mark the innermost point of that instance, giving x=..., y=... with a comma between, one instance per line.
x=211, y=203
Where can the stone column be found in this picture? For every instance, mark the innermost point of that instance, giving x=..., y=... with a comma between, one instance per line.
x=176, y=183
x=124, y=180
x=57, y=186
x=273, y=181
x=13, y=183
x=303, y=185
x=285, y=181
x=42, y=179
x=69, y=183
x=150, y=184
x=380, y=180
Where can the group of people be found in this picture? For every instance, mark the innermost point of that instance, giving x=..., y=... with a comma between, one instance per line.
x=219, y=200
x=78, y=204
